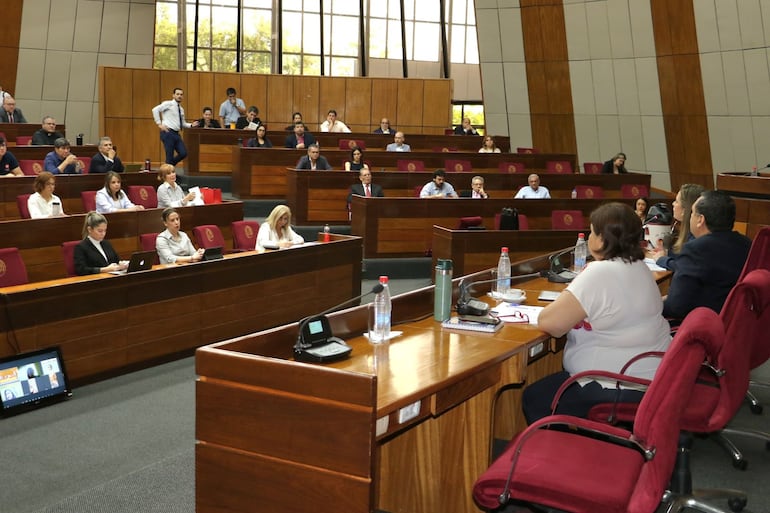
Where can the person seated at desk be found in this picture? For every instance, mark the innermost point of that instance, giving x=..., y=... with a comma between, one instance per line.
x=46, y=135
x=9, y=166
x=398, y=144
x=107, y=159
x=356, y=162
x=605, y=324
x=208, y=121
x=616, y=165
x=466, y=128
x=477, y=189
x=245, y=122
x=9, y=113
x=534, y=190
x=313, y=160
x=332, y=124
x=366, y=188
x=60, y=161
x=438, y=187
x=489, y=146
x=94, y=254
x=275, y=232
x=384, y=127
x=299, y=139
x=169, y=193
x=295, y=118
x=640, y=207
x=261, y=140
x=44, y=203
x=173, y=245
x=111, y=197
x=709, y=265
x=665, y=256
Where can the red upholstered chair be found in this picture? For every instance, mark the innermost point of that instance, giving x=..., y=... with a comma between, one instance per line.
x=629, y=190
x=12, y=268
x=567, y=220
x=593, y=168
x=21, y=202
x=89, y=200
x=600, y=468
x=522, y=149
x=147, y=242
x=559, y=167
x=511, y=167
x=209, y=236
x=458, y=166
x=68, y=253
x=86, y=164
x=467, y=223
x=2, y=134
x=31, y=167
x=416, y=190
x=347, y=144
x=443, y=149
x=410, y=165
x=245, y=235
x=523, y=221
x=449, y=131
x=589, y=192
x=144, y=195
x=23, y=140
x=759, y=254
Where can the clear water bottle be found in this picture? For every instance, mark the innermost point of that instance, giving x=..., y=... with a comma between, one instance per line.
x=503, y=272
x=382, y=309
x=327, y=233
x=581, y=253
x=574, y=194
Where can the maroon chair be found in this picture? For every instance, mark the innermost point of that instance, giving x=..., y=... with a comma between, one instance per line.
x=629, y=190
x=523, y=221
x=759, y=254
x=209, y=236
x=21, y=202
x=68, y=253
x=349, y=144
x=587, y=466
x=23, y=140
x=589, y=192
x=458, y=166
x=559, y=167
x=89, y=200
x=144, y=195
x=416, y=190
x=410, y=165
x=147, y=243
x=593, y=168
x=12, y=268
x=244, y=235
x=31, y=167
x=567, y=220
x=511, y=167
x=467, y=223
x=522, y=149
x=85, y=163
x=444, y=149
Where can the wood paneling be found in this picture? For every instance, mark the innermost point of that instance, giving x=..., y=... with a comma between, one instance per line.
x=332, y=95
x=410, y=102
x=119, y=103
x=436, y=112
x=306, y=99
x=384, y=102
x=358, y=101
x=254, y=93
x=145, y=93
x=280, y=99
x=9, y=44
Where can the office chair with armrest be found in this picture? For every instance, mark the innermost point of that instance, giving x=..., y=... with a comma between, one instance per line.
x=68, y=254
x=31, y=167
x=567, y=220
x=89, y=200
x=147, y=243
x=559, y=167
x=23, y=140
x=589, y=192
x=410, y=165
x=12, y=268
x=458, y=166
x=209, y=236
x=21, y=203
x=593, y=168
x=349, y=144
x=511, y=167
x=631, y=190
x=245, y=235
x=144, y=195
x=589, y=466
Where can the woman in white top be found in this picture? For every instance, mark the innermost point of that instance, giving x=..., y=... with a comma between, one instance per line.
x=111, y=198
x=606, y=325
x=275, y=232
x=173, y=245
x=169, y=193
x=44, y=203
x=489, y=146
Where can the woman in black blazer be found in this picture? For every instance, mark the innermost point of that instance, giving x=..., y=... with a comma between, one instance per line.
x=94, y=254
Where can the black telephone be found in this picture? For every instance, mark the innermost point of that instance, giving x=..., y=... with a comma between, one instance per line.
x=317, y=344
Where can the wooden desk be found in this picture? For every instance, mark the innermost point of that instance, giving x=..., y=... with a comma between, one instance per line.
x=295, y=437
x=39, y=240
x=106, y=324
x=752, y=200
x=11, y=130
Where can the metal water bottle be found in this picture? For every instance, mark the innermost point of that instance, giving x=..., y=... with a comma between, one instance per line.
x=442, y=299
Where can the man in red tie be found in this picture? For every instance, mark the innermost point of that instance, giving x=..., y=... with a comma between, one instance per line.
x=366, y=188
x=9, y=112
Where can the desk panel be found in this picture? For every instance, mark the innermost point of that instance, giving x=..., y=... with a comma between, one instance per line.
x=752, y=199
x=11, y=130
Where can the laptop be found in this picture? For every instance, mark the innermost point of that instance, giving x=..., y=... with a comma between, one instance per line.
x=139, y=261
x=212, y=253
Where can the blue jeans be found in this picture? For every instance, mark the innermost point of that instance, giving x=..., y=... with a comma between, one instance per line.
x=172, y=141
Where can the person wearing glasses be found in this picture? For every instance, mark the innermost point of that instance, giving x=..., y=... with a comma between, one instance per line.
x=44, y=203
x=604, y=324
x=477, y=189
x=384, y=127
x=46, y=134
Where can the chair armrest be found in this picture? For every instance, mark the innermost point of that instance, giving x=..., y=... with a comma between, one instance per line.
x=620, y=378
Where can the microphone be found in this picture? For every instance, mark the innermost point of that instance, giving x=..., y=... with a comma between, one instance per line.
x=558, y=272
x=315, y=341
x=650, y=220
x=466, y=305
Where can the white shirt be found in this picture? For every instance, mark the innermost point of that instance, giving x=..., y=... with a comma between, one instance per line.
x=39, y=207
x=105, y=204
x=430, y=189
x=489, y=150
x=169, y=249
x=338, y=126
x=268, y=236
x=170, y=110
x=170, y=197
x=528, y=192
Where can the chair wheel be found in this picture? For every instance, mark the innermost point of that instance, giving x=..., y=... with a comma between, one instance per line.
x=740, y=464
x=736, y=504
x=756, y=409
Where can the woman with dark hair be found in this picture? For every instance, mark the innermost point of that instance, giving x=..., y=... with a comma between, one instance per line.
x=356, y=162
x=605, y=324
x=641, y=206
x=616, y=165
x=173, y=245
x=111, y=198
x=261, y=140
x=94, y=254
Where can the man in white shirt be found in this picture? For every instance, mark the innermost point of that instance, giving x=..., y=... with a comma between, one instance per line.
x=438, y=187
x=231, y=109
x=332, y=124
x=534, y=190
x=169, y=116
x=398, y=145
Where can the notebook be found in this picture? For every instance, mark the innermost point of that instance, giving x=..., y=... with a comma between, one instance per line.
x=212, y=253
x=456, y=323
x=139, y=261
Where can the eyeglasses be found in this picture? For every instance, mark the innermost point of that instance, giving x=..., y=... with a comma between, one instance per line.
x=516, y=317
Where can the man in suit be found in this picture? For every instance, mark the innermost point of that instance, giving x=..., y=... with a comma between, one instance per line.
x=299, y=139
x=477, y=189
x=709, y=265
x=313, y=160
x=9, y=112
x=466, y=128
x=366, y=188
x=107, y=158
x=47, y=134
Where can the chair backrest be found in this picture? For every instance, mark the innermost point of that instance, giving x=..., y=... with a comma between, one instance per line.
x=759, y=254
x=209, y=236
x=511, y=167
x=449, y=131
x=147, y=242
x=347, y=144
x=23, y=140
x=245, y=235
x=746, y=316
x=12, y=268
x=68, y=254
x=144, y=195
x=21, y=202
x=522, y=149
x=86, y=164
x=559, y=167
x=465, y=223
x=89, y=200
x=567, y=220
x=410, y=165
x=589, y=192
x=457, y=166
x=443, y=149
x=593, y=168
x=416, y=190
x=633, y=190
x=31, y=167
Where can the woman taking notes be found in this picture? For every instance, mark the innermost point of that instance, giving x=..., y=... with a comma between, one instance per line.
x=173, y=245
x=44, y=203
x=111, y=198
x=94, y=254
x=276, y=231
x=169, y=193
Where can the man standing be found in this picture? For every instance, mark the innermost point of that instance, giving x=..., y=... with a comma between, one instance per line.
x=60, y=161
x=299, y=139
x=477, y=189
x=709, y=265
x=398, y=145
x=533, y=190
x=438, y=187
x=366, y=188
x=9, y=112
x=47, y=134
x=231, y=109
x=466, y=128
x=332, y=124
x=9, y=166
x=313, y=160
x=107, y=158
x=169, y=116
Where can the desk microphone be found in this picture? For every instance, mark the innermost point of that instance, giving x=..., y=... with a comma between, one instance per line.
x=315, y=341
x=558, y=272
x=466, y=305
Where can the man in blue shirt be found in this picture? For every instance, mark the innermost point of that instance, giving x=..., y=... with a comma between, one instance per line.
x=60, y=161
x=438, y=187
x=231, y=109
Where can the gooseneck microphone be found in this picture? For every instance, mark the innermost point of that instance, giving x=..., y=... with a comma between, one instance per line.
x=315, y=341
x=558, y=272
x=466, y=305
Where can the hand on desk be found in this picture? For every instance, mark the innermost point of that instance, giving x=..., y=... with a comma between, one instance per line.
x=121, y=266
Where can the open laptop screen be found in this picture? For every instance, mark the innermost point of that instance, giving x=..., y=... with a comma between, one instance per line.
x=32, y=379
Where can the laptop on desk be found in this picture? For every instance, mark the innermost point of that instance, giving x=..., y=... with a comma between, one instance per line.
x=139, y=261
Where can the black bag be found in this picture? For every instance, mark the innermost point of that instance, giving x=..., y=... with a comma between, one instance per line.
x=660, y=213
x=509, y=219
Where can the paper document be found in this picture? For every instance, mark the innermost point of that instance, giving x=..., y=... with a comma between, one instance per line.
x=652, y=265
x=198, y=196
x=519, y=314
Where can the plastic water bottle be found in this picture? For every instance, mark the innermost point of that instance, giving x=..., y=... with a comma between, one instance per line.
x=574, y=193
x=581, y=253
x=327, y=233
x=503, y=272
x=382, y=308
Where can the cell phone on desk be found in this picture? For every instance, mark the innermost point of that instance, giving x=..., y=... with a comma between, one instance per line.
x=483, y=319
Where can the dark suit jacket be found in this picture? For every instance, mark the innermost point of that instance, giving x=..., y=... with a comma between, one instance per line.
x=607, y=168
x=18, y=117
x=88, y=260
x=291, y=140
x=323, y=164
x=468, y=194
x=358, y=190
x=459, y=130
x=99, y=164
x=379, y=131
x=706, y=269
x=43, y=138
x=243, y=122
